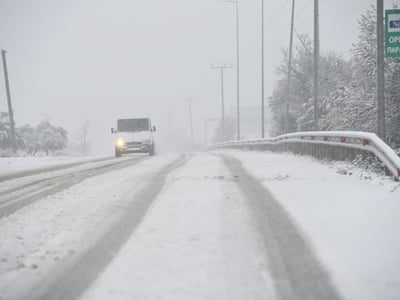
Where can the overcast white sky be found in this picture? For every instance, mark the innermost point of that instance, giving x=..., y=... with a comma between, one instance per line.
x=98, y=59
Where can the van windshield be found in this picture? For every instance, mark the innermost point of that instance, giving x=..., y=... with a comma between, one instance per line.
x=133, y=125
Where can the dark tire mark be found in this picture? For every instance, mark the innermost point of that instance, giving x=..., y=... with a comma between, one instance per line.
x=76, y=278
x=14, y=199
x=296, y=271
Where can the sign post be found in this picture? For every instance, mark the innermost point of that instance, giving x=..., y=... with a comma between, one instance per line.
x=392, y=33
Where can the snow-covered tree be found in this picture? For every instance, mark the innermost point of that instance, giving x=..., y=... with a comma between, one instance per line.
x=355, y=107
x=4, y=131
x=347, y=89
x=392, y=96
x=29, y=139
x=51, y=138
x=334, y=74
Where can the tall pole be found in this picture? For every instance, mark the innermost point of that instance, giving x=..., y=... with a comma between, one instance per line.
x=237, y=72
x=222, y=68
x=262, y=72
x=380, y=71
x=222, y=104
x=169, y=115
x=191, y=122
x=316, y=62
x=10, y=110
x=205, y=133
x=206, y=121
x=288, y=98
x=237, y=67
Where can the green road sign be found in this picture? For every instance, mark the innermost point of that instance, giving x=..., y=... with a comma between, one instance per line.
x=392, y=33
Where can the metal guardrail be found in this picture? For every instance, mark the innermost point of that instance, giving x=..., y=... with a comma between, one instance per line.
x=360, y=141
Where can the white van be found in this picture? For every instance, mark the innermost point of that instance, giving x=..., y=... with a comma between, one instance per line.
x=134, y=136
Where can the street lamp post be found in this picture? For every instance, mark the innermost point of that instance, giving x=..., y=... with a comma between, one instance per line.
x=237, y=67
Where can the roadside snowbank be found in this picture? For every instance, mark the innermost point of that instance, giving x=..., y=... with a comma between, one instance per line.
x=16, y=164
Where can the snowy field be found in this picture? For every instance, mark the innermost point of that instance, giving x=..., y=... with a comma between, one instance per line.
x=199, y=239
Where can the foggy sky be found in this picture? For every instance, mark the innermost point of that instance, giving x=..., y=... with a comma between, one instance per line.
x=77, y=60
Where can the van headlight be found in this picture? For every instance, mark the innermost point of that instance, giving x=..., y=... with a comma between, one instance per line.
x=120, y=142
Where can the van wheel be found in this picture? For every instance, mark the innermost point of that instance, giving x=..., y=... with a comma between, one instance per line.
x=117, y=153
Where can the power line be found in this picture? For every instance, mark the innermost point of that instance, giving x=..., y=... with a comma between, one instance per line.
x=253, y=42
x=303, y=9
x=279, y=39
x=339, y=13
x=306, y=18
x=276, y=15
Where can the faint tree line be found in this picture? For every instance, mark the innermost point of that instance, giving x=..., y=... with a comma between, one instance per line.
x=44, y=137
x=347, y=99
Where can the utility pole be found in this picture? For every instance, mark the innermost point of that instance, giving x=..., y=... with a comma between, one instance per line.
x=288, y=99
x=262, y=72
x=236, y=2
x=168, y=116
x=191, y=121
x=237, y=73
x=316, y=62
x=10, y=110
x=380, y=71
x=222, y=68
x=206, y=121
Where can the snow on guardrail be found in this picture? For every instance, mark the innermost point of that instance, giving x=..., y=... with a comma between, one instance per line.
x=352, y=139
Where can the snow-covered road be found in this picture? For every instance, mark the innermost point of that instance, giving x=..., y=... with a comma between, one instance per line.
x=222, y=225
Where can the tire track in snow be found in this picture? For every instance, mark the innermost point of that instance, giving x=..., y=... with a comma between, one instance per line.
x=75, y=279
x=296, y=272
x=13, y=199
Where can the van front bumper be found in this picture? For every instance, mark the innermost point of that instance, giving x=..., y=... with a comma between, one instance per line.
x=134, y=147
